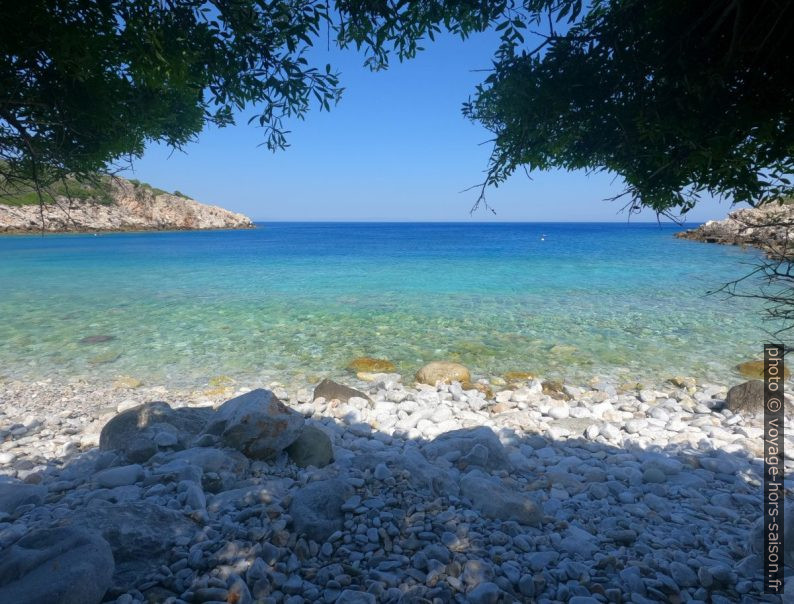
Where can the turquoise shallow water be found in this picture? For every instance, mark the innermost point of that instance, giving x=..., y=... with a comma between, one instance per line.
x=289, y=301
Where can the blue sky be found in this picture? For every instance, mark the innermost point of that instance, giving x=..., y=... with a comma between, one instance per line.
x=395, y=148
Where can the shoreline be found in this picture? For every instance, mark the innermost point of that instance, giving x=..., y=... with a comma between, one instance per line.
x=433, y=492
x=32, y=231
x=765, y=228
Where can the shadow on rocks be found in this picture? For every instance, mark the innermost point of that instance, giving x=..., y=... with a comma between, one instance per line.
x=195, y=505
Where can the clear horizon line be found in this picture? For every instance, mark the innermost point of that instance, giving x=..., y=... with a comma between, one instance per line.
x=441, y=221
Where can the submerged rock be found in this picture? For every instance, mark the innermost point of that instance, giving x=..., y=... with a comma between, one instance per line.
x=96, y=339
x=442, y=371
x=105, y=358
x=370, y=365
x=65, y=565
x=755, y=370
x=519, y=376
x=127, y=382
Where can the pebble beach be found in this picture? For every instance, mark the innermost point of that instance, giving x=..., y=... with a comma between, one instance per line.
x=382, y=489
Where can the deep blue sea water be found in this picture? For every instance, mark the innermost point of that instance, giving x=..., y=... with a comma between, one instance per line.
x=294, y=301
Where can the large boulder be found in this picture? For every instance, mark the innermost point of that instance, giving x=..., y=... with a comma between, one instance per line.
x=316, y=509
x=14, y=494
x=469, y=447
x=312, y=448
x=216, y=469
x=441, y=481
x=138, y=433
x=748, y=399
x=64, y=565
x=445, y=372
x=497, y=502
x=140, y=534
x=330, y=390
x=256, y=423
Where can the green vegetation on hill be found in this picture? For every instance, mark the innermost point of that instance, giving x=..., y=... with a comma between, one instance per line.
x=98, y=190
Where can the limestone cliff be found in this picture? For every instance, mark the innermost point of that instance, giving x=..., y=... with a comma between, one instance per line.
x=118, y=205
x=768, y=227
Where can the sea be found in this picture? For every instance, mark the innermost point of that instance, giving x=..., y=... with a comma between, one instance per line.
x=295, y=302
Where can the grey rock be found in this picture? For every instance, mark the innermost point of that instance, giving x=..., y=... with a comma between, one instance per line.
x=540, y=560
x=316, y=509
x=496, y=501
x=195, y=499
x=476, y=572
x=756, y=544
x=208, y=459
x=425, y=475
x=329, y=390
x=470, y=445
x=705, y=577
x=238, y=591
x=166, y=439
x=256, y=423
x=382, y=472
x=135, y=432
x=666, y=464
x=63, y=565
x=578, y=541
x=14, y=494
x=119, y=476
x=653, y=475
x=485, y=593
x=526, y=585
x=634, y=426
x=683, y=575
x=350, y=596
x=141, y=534
x=267, y=491
x=312, y=448
x=748, y=399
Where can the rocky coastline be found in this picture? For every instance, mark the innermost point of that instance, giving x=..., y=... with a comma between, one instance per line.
x=768, y=228
x=126, y=206
x=382, y=489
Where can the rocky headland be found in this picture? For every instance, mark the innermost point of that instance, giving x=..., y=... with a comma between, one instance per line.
x=767, y=227
x=383, y=490
x=115, y=204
